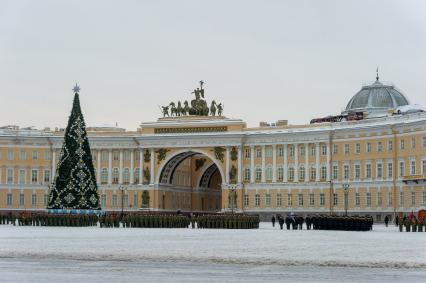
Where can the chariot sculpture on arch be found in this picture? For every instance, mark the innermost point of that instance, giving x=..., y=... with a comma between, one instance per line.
x=196, y=107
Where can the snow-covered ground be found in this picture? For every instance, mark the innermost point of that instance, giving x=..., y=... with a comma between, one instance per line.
x=50, y=254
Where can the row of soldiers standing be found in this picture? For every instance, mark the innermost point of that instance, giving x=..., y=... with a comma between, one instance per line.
x=412, y=224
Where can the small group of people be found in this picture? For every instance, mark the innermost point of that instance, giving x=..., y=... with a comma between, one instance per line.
x=325, y=222
x=411, y=223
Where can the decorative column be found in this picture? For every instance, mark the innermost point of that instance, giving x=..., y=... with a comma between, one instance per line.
x=252, y=164
x=328, y=162
x=317, y=160
x=285, y=169
x=120, y=175
x=152, y=181
x=98, y=165
x=227, y=165
x=132, y=166
x=274, y=163
x=296, y=162
x=53, y=164
x=306, y=162
x=263, y=165
x=110, y=167
x=141, y=166
x=240, y=164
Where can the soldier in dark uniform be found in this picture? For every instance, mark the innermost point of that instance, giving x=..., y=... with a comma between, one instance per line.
x=281, y=221
x=273, y=221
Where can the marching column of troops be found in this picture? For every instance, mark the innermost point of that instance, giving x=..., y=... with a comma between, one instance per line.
x=326, y=222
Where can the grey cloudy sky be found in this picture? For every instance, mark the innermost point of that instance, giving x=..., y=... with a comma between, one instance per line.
x=265, y=60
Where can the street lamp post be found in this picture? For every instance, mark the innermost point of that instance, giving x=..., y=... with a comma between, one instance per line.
x=122, y=189
x=346, y=190
x=232, y=198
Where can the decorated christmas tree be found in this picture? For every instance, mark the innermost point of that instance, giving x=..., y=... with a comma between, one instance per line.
x=74, y=186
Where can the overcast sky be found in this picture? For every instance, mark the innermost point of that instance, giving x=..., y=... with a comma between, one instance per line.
x=265, y=60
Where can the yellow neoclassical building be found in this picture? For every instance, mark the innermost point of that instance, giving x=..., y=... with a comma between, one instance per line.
x=370, y=159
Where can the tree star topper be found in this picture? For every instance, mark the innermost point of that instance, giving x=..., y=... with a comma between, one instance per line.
x=76, y=88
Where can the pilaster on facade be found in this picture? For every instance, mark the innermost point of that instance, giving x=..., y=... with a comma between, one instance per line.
x=317, y=162
x=152, y=164
x=227, y=165
x=53, y=165
x=252, y=164
x=98, y=166
x=263, y=177
x=306, y=162
x=328, y=163
x=296, y=162
x=132, y=166
x=274, y=163
x=240, y=165
x=141, y=161
x=285, y=165
x=109, y=167
x=120, y=172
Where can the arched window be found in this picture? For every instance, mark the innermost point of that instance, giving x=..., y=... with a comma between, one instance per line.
x=104, y=176
x=115, y=176
x=126, y=176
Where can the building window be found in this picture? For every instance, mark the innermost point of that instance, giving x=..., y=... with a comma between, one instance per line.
x=346, y=148
x=35, y=155
x=300, y=197
x=21, y=199
x=268, y=200
x=323, y=173
x=135, y=200
x=279, y=199
x=401, y=168
x=413, y=198
x=258, y=174
x=390, y=170
x=311, y=199
x=390, y=145
x=9, y=199
x=103, y=200
x=21, y=176
x=335, y=149
x=357, y=199
x=46, y=155
x=368, y=147
x=390, y=199
x=136, y=176
x=115, y=175
x=291, y=151
x=357, y=148
x=246, y=200
x=379, y=170
x=379, y=146
x=335, y=199
x=413, y=142
x=301, y=173
x=302, y=150
x=312, y=150
x=34, y=176
x=335, y=172
x=322, y=199
x=45, y=199
x=424, y=141
x=137, y=154
x=126, y=200
x=289, y=200
x=269, y=173
x=9, y=175
x=291, y=174
x=104, y=176
x=313, y=173
x=401, y=199
x=257, y=200
x=368, y=171
x=368, y=199
x=324, y=150
x=104, y=155
x=424, y=197
x=246, y=153
x=126, y=155
x=247, y=174
x=33, y=199
x=46, y=178
x=424, y=166
x=280, y=173
x=258, y=152
x=126, y=176
x=346, y=172
x=357, y=171
x=379, y=199
x=401, y=144
x=114, y=200
x=269, y=152
x=413, y=167
x=115, y=155
x=10, y=155
x=280, y=151
x=22, y=155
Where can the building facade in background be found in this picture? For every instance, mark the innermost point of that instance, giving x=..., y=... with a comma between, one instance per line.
x=371, y=159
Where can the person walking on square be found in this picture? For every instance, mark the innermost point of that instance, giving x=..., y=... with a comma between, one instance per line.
x=386, y=220
x=281, y=221
x=273, y=221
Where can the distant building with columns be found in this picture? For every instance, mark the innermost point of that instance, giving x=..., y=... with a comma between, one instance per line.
x=376, y=148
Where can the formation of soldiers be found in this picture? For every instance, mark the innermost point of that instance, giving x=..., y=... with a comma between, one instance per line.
x=226, y=221
x=326, y=222
x=144, y=221
x=38, y=219
x=411, y=224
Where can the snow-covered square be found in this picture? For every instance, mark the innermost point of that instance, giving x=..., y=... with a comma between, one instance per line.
x=52, y=254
